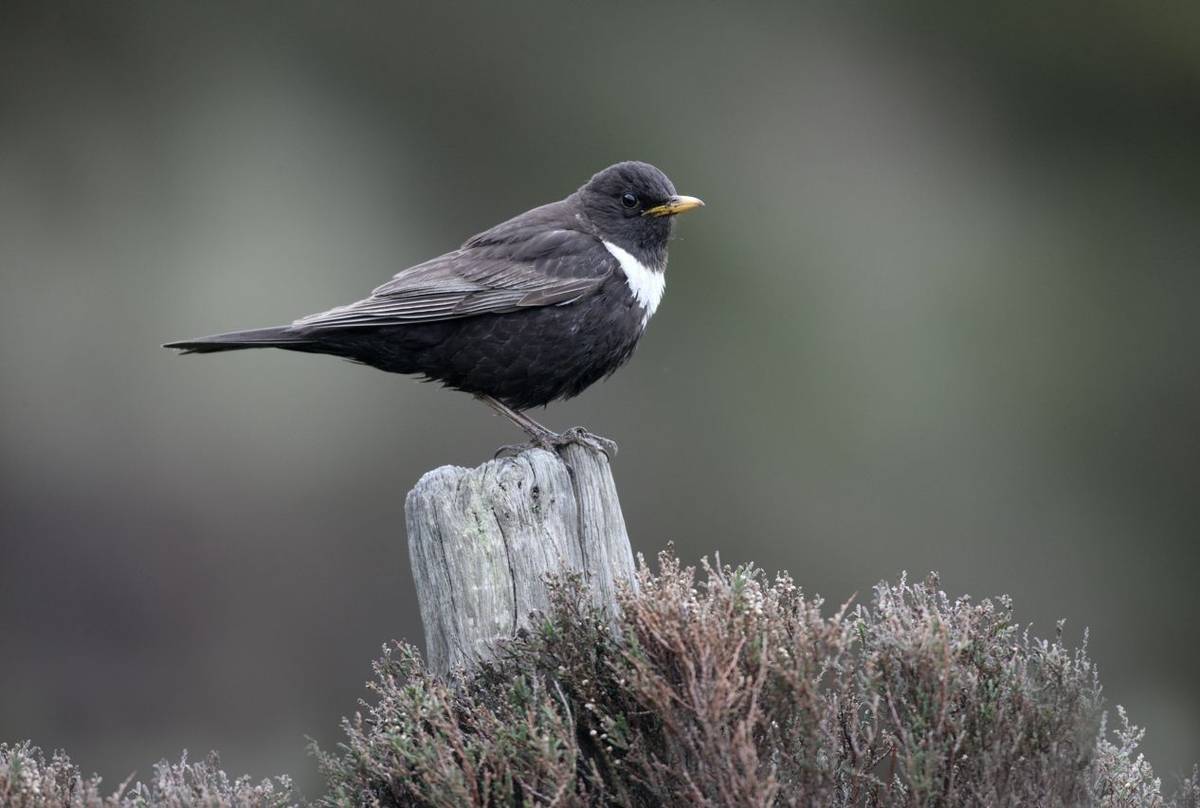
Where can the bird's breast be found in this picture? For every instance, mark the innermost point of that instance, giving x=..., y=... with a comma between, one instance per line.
x=646, y=284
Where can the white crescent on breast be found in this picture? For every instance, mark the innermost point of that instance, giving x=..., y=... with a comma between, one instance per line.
x=646, y=284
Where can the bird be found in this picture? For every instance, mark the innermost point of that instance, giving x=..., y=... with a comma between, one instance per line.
x=535, y=309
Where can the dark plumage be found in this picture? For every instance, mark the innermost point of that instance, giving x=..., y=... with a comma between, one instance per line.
x=537, y=308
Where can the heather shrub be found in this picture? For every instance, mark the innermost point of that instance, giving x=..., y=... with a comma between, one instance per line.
x=725, y=688
x=28, y=779
x=711, y=688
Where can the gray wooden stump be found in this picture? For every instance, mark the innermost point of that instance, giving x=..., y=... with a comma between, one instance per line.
x=483, y=540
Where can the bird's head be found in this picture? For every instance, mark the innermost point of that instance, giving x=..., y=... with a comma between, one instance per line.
x=633, y=204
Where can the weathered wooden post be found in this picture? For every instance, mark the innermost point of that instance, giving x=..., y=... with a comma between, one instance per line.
x=483, y=540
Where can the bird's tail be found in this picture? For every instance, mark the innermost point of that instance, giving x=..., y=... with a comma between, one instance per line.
x=277, y=337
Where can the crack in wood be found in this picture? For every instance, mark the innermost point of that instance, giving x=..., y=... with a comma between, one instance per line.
x=503, y=528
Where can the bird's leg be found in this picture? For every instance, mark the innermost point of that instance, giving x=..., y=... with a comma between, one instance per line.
x=544, y=438
x=537, y=433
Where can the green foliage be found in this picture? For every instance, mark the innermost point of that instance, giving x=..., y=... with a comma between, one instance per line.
x=722, y=688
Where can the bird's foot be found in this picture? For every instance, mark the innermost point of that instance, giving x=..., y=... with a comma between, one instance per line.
x=588, y=440
x=552, y=442
x=512, y=450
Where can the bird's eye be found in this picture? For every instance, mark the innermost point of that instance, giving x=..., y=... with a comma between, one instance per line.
x=629, y=200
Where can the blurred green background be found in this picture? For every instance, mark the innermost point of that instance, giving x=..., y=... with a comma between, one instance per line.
x=939, y=313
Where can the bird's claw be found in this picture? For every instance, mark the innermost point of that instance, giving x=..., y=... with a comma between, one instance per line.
x=552, y=442
x=589, y=440
x=513, y=449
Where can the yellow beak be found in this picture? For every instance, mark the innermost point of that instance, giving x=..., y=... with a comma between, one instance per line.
x=674, y=205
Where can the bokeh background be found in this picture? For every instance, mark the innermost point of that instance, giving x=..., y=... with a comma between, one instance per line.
x=939, y=313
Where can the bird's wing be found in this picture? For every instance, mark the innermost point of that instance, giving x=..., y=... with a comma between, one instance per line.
x=545, y=267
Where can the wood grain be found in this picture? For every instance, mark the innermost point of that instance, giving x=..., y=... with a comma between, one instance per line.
x=483, y=540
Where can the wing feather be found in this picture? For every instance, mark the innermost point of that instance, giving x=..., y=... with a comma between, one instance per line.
x=538, y=267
